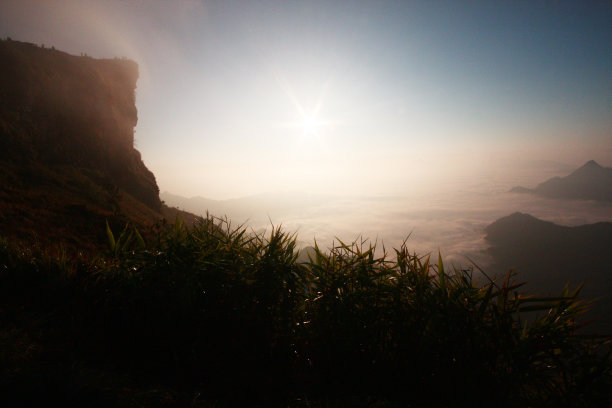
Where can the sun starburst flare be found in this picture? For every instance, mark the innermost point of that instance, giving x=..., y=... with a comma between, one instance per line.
x=308, y=122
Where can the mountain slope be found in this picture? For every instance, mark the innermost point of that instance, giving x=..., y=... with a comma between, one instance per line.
x=589, y=182
x=548, y=256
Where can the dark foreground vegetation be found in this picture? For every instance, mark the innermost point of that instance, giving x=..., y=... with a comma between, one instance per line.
x=218, y=316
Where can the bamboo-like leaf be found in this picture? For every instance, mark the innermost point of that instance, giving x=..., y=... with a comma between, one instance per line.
x=576, y=291
x=525, y=332
x=545, y=299
x=111, y=237
x=533, y=308
x=122, y=241
x=441, y=272
x=139, y=240
x=485, y=302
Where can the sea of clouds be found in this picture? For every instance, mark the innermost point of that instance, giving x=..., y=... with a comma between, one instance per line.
x=449, y=218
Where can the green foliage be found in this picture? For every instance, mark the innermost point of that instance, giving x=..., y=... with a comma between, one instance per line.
x=221, y=312
x=126, y=240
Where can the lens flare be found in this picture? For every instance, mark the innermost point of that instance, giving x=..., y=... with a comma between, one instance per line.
x=309, y=125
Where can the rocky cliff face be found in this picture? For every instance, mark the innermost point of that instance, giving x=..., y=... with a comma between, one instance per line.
x=67, y=157
x=59, y=109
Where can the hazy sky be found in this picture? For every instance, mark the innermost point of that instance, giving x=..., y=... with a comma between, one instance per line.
x=236, y=98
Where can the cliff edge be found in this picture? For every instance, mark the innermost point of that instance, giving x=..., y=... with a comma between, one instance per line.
x=67, y=156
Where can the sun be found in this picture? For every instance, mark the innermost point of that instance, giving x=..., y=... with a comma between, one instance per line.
x=309, y=124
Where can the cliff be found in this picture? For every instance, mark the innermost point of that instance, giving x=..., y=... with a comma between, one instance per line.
x=67, y=156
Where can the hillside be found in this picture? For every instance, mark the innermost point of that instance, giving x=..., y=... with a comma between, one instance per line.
x=67, y=156
x=589, y=182
x=548, y=256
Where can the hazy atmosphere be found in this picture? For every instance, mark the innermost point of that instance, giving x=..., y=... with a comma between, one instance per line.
x=359, y=98
x=305, y=203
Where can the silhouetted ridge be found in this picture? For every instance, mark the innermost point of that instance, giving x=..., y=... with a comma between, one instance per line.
x=591, y=164
x=519, y=226
x=547, y=256
x=589, y=182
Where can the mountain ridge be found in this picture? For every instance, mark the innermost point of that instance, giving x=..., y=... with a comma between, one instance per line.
x=547, y=256
x=591, y=181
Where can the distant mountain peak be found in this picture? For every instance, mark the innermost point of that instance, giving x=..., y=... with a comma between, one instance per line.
x=590, y=172
x=520, y=215
x=589, y=182
x=517, y=218
x=591, y=165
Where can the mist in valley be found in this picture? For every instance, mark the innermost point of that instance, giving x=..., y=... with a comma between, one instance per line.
x=446, y=217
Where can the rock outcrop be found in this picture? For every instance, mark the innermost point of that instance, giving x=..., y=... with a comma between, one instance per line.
x=67, y=156
x=60, y=109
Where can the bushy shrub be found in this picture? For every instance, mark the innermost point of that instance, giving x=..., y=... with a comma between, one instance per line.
x=231, y=316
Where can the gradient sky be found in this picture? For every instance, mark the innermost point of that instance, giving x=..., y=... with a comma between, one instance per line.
x=236, y=98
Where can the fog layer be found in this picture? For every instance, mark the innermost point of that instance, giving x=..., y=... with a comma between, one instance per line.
x=446, y=217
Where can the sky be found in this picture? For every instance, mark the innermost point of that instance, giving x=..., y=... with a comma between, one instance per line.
x=366, y=98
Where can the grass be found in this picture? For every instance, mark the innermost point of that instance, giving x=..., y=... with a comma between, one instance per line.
x=216, y=315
